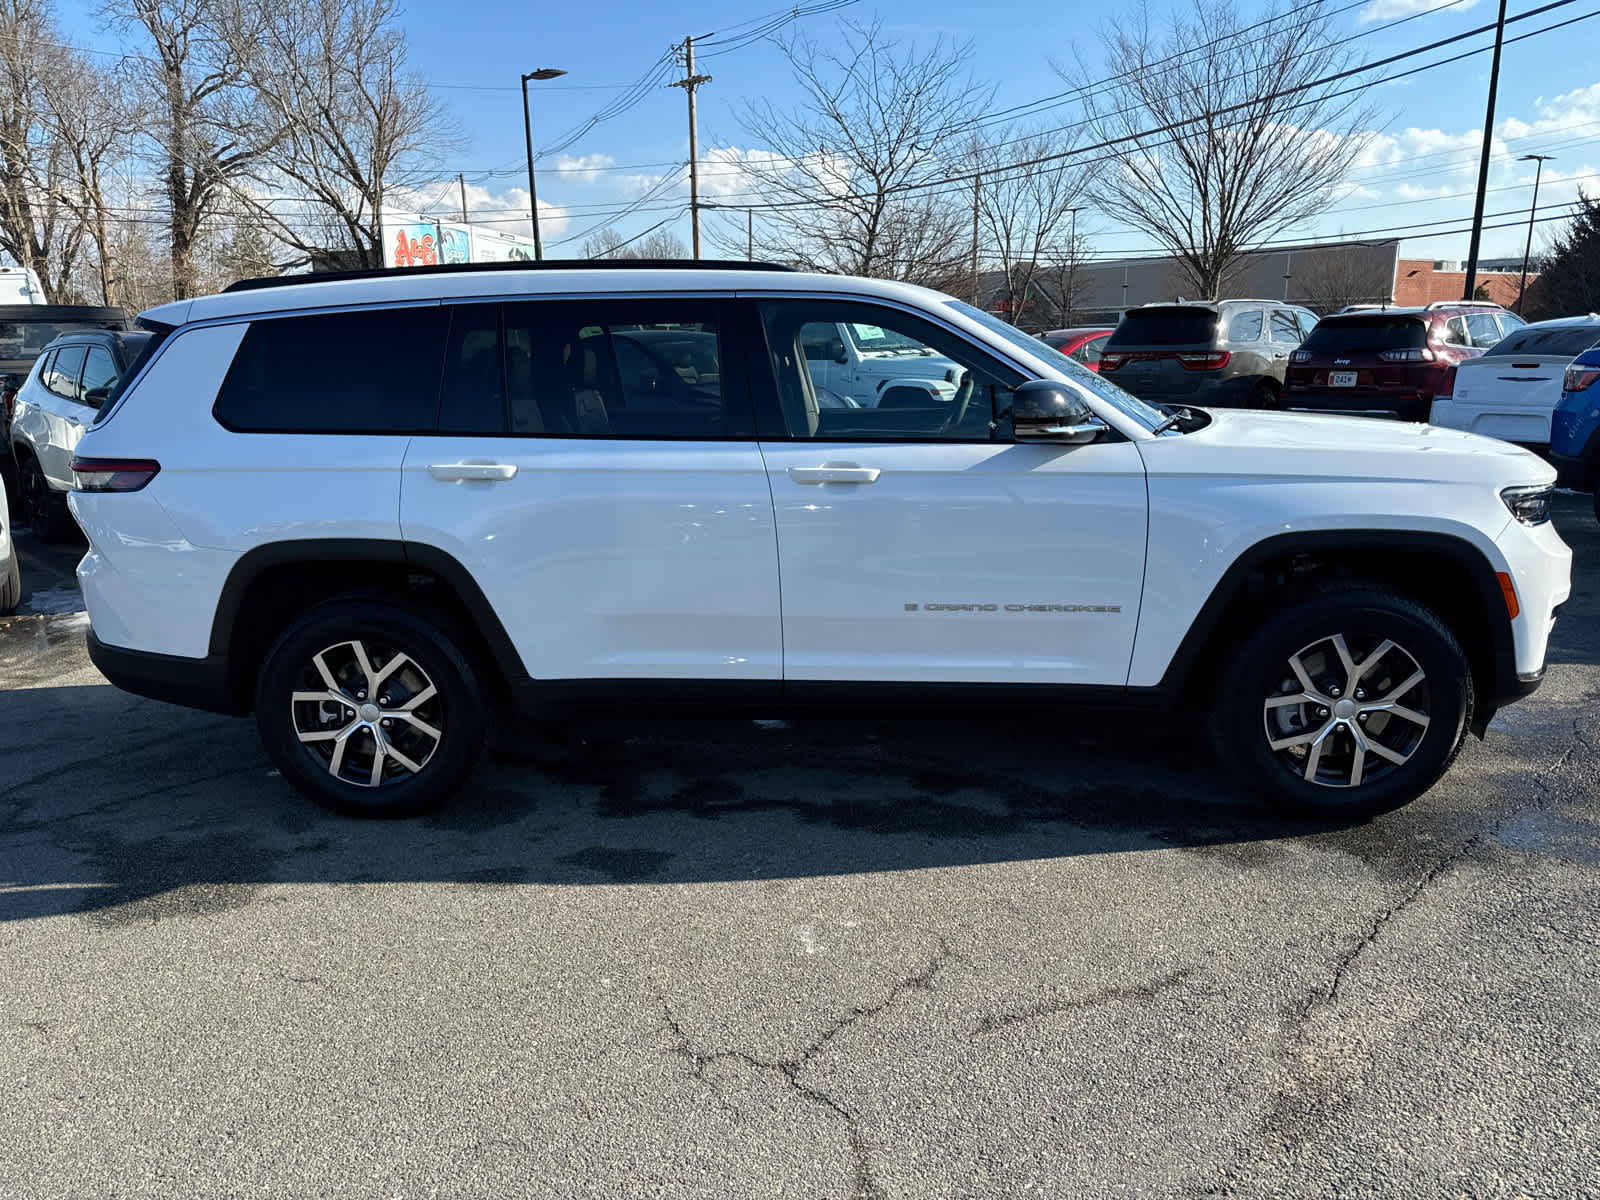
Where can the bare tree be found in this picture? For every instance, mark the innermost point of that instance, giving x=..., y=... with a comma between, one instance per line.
x=206, y=131
x=353, y=123
x=1220, y=135
x=1026, y=214
x=849, y=181
x=37, y=229
x=608, y=243
x=1332, y=278
x=89, y=114
x=1062, y=281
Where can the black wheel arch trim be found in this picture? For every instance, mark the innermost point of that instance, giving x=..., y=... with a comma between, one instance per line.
x=397, y=552
x=1235, y=580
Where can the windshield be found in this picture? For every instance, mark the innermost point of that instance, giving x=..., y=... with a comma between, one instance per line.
x=871, y=338
x=1566, y=341
x=1131, y=406
x=1344, y=335
x=1172, y=326
x=25, y=339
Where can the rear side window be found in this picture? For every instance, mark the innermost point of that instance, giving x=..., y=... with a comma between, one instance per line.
x=1562, y=343
x=1483, y=329
x=1245, y=326
x=1165, y=327
x=1355, y=335
x=99, y=375
x=357, y=372
x=62, y=377
x=1284, y=328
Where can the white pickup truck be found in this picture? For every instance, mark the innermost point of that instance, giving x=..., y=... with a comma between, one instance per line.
x=860, y=362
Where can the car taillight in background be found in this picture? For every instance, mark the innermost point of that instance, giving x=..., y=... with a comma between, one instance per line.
x=1213, y=361
x=1579, y=378
x=112, y=474
x=1110, y=361
x=1300, y=356
x=1447, y=386
x=1422, y=354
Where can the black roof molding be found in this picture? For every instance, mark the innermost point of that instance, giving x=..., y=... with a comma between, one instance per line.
x=549, y=264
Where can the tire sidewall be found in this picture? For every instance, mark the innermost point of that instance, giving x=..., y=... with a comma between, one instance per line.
x=1263, y=662
x=460, y=695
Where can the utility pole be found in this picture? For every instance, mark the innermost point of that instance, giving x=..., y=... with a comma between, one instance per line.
x=1539, y=161
x=749, y=234
x=1072, y=265
x=688, y=83
x=462, y=180
x=977, y=201
x=1483, y=163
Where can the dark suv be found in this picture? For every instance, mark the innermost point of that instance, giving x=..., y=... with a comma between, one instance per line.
x=1392, y=362
x=1231, y=354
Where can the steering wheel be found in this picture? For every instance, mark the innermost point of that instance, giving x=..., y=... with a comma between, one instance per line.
x=959, y=402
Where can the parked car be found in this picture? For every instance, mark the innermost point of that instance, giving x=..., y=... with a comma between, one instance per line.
x=1230, y=354
x=1082, y=345
x=62, y=396
x=860, y=362
x=1390, y=363
x=379, y=554
x=10, y=570
x=1575, y=427
x=26, y=329
x=1511, y=390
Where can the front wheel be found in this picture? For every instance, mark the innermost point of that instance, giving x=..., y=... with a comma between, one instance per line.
x=370, y=709
x=1350, y=703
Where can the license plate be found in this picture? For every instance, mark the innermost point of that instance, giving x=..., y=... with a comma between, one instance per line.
x=1341, y=379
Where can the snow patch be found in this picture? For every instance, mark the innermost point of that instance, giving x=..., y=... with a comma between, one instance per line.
x=54, y=601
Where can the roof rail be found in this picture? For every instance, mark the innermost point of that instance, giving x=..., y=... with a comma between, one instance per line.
x=1462, y=304
x=548, y=264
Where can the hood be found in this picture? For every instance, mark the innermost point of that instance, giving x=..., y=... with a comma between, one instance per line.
x=1306, y=445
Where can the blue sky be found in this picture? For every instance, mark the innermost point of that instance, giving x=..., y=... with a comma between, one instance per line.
x=1421, y=168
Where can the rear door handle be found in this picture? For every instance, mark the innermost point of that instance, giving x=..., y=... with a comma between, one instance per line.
x=459, y=472
x=830, y=473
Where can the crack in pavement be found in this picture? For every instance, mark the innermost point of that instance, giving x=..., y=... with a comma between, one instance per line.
x=866, y=1186
x=994, y=1022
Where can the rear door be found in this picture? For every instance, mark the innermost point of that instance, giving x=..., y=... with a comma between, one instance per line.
x=921, y=544
x=614, y=509
x=62, y=416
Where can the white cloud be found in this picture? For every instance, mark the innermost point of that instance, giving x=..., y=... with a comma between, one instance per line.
x=585, y=169
x=1390, y=10
x=505, y=212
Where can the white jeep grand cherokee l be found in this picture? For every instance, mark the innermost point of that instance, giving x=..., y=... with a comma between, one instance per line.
x=382, y=510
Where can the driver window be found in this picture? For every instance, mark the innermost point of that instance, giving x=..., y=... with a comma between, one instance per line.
x=905, y=379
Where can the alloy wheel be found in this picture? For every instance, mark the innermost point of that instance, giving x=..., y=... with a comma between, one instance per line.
x=368, y=713
x=1351, y=709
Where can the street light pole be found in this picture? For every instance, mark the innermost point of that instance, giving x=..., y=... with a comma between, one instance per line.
x=1539, y=161
x=527, y=133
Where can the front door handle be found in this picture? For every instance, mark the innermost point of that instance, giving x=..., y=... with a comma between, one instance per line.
x=458, y=472
x=835, y=473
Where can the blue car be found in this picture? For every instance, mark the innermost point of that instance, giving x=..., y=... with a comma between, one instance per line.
x=1575, y=427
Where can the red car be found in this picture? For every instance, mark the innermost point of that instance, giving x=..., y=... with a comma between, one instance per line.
x=1390, y=362
x=1081, y=345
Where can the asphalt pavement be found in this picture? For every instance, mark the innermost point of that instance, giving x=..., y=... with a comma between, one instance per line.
x=977, y=956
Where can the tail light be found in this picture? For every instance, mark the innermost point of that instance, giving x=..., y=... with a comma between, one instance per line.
x=1579, y=378
x=1447, y=386
x=1417, y=355
x=113, y=474
x=1300, y=356
x=1212, y=361
x=1110, y=361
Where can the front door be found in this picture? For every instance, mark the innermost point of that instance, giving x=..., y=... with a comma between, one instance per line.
x=921, y=544
x=595, y=471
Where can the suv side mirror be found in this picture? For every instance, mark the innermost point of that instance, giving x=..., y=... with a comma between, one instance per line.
x=95, y=397
x=1043, y=411
x=836, y=350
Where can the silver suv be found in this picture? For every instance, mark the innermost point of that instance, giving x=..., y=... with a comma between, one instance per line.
x=1231, y=354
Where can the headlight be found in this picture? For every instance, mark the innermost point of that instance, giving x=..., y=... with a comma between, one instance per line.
x=1530, y=505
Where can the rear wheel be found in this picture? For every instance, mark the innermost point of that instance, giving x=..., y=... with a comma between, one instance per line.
x=11, y=586
x=370, y=709
x=43, y=510
x=1352, y=702
x=1264, y=396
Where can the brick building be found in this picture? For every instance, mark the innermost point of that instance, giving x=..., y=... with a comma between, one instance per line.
x=1422, y=281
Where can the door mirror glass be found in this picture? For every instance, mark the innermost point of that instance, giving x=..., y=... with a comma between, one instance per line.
x=836, y=351
x=1043, y=411
x=95, y=397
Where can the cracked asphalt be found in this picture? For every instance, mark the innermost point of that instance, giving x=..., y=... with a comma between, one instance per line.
x=968, y=957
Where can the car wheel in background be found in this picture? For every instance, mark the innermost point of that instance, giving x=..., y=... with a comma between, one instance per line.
x=11, y=586
x=1352, y=702
x=45, y=512
x=1264, y=396
x=370, y=709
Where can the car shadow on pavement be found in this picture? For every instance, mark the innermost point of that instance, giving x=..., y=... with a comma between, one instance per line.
x=125, y=809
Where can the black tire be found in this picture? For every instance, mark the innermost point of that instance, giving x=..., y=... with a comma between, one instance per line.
x=11, y=586
x=44, y=512
x=1364, y=616
x=1265, y=396
x=456, y=709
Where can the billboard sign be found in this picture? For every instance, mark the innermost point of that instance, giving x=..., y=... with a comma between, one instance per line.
x=412, y=242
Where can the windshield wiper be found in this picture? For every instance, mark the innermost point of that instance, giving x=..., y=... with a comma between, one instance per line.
x=1175, y=420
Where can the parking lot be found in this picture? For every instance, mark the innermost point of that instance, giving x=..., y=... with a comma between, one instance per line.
x=977, y=956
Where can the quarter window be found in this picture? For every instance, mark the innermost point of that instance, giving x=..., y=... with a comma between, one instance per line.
x=1455, y=333
x=99, y=374
x=1483, y=328
x=1284, y=327
x=908, y=381
x=1245, y=326
x=375, y=371
x=64, y=371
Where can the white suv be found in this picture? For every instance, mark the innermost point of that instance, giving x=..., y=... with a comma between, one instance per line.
x=382, y=511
